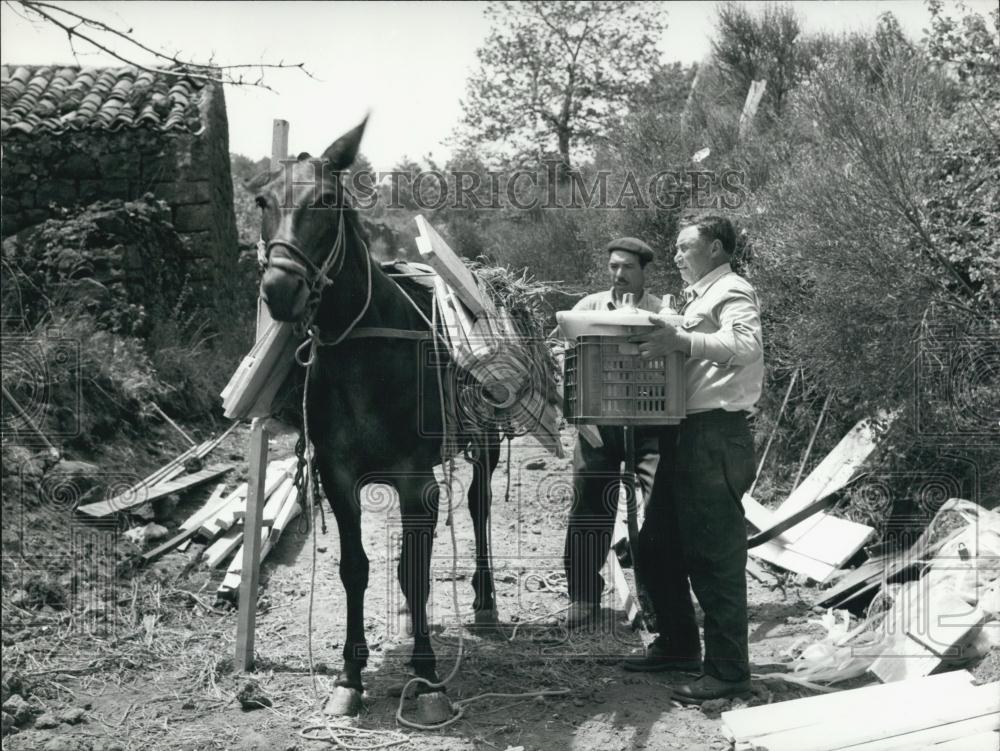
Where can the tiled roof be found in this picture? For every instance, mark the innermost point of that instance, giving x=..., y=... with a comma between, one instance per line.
x=57, y=99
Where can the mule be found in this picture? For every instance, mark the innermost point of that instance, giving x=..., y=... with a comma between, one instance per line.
x=374, y=407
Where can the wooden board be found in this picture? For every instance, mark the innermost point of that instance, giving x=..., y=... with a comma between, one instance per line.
x=222, y=548
x=836, y=469
x=225, y=517
x=846, y=587
x=273, y=360
x=276, y=500
x=211, y=507
x=816, y=548
x=970, y=740
x=178, y=485
x=755, y=722
x=435, y=251
x=922, y=719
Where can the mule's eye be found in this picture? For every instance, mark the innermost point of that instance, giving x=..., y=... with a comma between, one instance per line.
x=261, y=202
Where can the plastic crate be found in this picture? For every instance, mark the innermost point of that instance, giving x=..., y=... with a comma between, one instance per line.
x=605, y=382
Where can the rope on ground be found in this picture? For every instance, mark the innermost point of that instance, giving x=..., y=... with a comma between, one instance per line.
x=346, y=736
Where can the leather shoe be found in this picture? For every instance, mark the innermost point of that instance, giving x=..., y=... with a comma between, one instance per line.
x=581, y=613
x=707, y=687
x=657, y=659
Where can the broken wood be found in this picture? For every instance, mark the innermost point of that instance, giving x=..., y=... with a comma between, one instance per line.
x=884, y=716
x=165, y=487
x=926, y=624
x=134, y=496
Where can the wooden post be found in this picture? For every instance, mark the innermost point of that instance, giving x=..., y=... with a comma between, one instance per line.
x=252, y=524
x=257, y=460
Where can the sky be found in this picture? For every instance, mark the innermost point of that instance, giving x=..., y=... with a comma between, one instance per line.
x=405, y=62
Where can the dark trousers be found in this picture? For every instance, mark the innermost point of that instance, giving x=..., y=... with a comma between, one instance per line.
x=694, y=533
x=596, y=475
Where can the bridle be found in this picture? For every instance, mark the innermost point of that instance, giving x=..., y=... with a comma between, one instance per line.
x=316, y=276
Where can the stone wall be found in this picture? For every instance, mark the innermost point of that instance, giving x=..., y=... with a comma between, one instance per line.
x=44, y=172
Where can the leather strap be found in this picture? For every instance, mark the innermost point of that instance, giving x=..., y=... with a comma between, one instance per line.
x=369, y=332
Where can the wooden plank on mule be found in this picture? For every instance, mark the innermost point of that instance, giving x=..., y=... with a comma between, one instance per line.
x=222, y=548
x=274, y=364
x=755, y=722
x=914, y=724
x=435, y=251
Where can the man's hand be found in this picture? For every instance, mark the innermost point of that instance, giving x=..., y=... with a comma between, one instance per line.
x=662, y=340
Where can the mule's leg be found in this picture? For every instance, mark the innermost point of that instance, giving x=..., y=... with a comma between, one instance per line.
x=418, y=502
x=480, y=503
x=344, y=495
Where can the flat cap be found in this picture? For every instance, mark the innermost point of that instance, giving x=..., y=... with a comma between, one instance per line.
x=632, y=245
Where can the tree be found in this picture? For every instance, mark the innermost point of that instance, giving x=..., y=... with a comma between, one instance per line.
x=752, y=46
x=558, y=72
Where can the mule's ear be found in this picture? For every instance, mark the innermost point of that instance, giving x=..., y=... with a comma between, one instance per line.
x=343, y=151
x=254, y=184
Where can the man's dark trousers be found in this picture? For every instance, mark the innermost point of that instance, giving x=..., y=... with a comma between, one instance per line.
x=596, y=474
x=694, y=531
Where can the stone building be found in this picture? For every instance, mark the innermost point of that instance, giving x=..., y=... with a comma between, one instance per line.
x=72, y=136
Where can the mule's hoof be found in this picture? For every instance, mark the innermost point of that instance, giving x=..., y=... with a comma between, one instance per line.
x=343, y=702
x=434, y=708
x=485, y=619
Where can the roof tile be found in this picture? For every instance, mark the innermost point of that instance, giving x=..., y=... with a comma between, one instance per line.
x=54, y=99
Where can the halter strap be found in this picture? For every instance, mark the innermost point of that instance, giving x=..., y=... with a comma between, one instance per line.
x=370, y=332
x=300, y=264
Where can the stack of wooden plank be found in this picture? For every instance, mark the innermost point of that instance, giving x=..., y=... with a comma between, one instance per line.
x=164, y=481
x=253, y=386
x=226, y=529
x=943, y=712
x=485, y=342
x=818, y=546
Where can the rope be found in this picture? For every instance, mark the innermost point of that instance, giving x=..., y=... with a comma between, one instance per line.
x=336, y=731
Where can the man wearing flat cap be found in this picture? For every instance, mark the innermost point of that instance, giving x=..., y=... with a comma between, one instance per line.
x=597, y=470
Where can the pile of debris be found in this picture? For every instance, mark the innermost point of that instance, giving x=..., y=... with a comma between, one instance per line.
x=219, y=523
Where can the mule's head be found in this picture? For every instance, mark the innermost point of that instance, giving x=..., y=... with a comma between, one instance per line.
x=301, y=208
